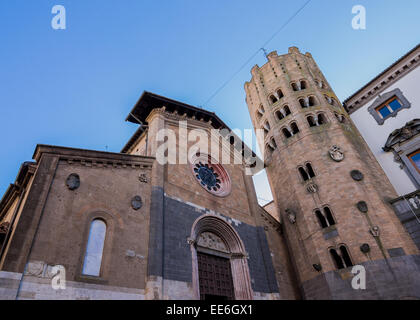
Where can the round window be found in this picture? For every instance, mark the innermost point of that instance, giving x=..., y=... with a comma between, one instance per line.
x=211, y=175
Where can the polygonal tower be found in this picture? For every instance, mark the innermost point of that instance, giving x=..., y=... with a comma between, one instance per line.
x=330, y=192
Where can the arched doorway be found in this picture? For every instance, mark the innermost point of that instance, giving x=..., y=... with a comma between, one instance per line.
x=220, y=266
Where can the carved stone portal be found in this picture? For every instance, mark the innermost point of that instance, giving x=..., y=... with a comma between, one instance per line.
x=211, y=241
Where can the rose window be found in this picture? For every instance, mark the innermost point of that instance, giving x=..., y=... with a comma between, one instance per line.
x=211, y=175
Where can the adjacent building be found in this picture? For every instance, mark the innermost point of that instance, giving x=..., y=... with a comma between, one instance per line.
x=386, y=111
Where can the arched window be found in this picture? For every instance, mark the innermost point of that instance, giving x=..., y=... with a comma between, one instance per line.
x=311, y=172
x=294, y=128
x=321, y=119
x=303, y=103
x=286, y=133
x=341, y=118
x=295, y=87
x=286, y=110
x=279, y=115
x=337, y=259
x=312, y=101
x=271, y=146
x=303, y=85
x=280, y=94
x=311, y=121
x=346, y=257
x=94, y=249
x=260, y=112
x=266, y=127
x=273, y=98
x=329, y=216
x=325, y=218
x=342, y=258
x=303, y=173
x=321, y=219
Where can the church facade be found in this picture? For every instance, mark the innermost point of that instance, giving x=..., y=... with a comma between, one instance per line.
x=168, y=219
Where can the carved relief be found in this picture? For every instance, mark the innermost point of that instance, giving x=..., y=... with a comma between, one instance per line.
x=336, y=154
x=143, y=178
x=73, y=181
x=291, y=215
x=211, y=241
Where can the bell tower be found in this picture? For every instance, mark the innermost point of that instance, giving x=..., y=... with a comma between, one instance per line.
x=328, y=188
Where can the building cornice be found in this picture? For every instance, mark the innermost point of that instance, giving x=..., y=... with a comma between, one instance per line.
x=385, y=79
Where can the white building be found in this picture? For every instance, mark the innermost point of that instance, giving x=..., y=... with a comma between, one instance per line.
x=387, y=113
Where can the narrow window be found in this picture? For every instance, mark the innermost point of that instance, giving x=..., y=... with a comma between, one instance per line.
x=273, y=99
x=267, y=126
x=310, y=170
x=311, y=121
x=295, y=87
x=312, y=101
x=286, y=133
x=303, y=103
x=286, y=110
x=279, y=115
x=303, y=173
x=321, y=119
x=280, y=94
x=346, y=257
x=337, y=259
x=294, y=128
x=302, y=85
x=329, y=217
x=94, y=248
x=321, y=219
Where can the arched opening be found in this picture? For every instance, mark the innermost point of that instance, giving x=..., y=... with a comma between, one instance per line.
x=280, y=94
x=329, y=216
x=295, y=87
x=294, y=128
x=311, y=172
x=321, y=119
x=279, y=115
x=312, y=101
x=303, y=103
x=321, y=219
x=303, y=173
x=337, y=259
x=303, y=85
x=220, y=266
x=94, y=248
x=286, y=133
x=286, y=110
x=311, y=121
x=273, y=98
x=346, y=257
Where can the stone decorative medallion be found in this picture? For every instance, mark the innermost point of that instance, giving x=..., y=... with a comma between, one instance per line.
x=365, y=248
x=73, y=181
x=136, y=202
x=211, y=241
x=143, y=178
x=336, y=154
x=211, y=175
x=362, y=206
x=291, y=215
x=374, y=231
x=312, y=188
x=356, y=175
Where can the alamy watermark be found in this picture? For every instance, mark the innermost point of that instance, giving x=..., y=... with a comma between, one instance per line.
x=58, y=22
x=359, y=20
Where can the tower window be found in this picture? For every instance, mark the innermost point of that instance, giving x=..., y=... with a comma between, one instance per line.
x=260, y=111
x=286, y=110
x=273, y=98
x=341, y=257
x=286, y=133
x=325, y=217
x=321, y=119
x=303, y=103
x=279, y=115
x=303, y=85
x=311, y=121
x=341, y=118
x=311, y=172
x=280, y=94
x=306, y=172
x=94, y=249
x=294, y=128
x=295, y=87
x=311, y=101
x=303, y=174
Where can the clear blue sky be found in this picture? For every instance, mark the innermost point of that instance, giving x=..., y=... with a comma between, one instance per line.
x=74, y=87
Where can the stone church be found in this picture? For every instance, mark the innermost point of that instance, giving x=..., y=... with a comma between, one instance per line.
x=128, y=226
